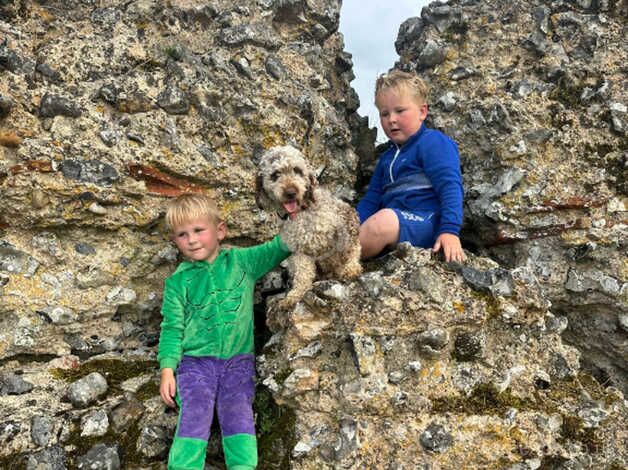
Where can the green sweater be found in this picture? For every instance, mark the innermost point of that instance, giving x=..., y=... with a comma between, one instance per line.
x=208, y=307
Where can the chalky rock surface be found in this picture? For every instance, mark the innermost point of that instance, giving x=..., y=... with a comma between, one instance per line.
x=536, y=95
x=412, y=366
x=107, y=109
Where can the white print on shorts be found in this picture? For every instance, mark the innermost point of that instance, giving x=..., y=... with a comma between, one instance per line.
x=414, y=217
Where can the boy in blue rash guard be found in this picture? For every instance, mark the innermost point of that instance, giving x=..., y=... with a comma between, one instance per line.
x=415, y=193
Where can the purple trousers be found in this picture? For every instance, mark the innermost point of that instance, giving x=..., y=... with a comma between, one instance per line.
x=228, y=385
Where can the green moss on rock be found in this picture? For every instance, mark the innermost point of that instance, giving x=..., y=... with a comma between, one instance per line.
x=115, y=371
x=147, y=391
x=127, y=441
x=274, y=425
x=573, y=429
x=485, y=399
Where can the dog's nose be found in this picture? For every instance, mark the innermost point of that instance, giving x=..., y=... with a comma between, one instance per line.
x=290, y=193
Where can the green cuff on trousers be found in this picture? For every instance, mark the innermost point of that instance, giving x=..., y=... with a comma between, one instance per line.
x=240, y=451
x=187, y=453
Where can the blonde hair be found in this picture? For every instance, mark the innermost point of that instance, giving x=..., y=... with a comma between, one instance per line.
x=190, y=206
x=402, y=81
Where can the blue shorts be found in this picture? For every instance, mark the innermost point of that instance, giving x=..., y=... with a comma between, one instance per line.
x=417, y=227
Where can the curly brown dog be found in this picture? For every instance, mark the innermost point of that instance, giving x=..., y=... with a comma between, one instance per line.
x=320, y=229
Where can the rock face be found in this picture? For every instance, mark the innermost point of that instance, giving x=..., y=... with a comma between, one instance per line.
x=413, y=366
x=109, y=108
x=535, y=94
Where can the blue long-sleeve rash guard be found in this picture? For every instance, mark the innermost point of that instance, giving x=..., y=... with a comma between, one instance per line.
x=429, y=159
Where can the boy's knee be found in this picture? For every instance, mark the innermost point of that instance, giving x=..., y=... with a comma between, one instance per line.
x=383, y=223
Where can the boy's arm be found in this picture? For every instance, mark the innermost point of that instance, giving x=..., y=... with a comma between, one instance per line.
x=371, y=201
x=171, y=335
x=260, y=259
x=441, y=164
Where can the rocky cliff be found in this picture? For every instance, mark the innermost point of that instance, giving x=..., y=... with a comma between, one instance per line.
x=109, y=108
x=535, y=95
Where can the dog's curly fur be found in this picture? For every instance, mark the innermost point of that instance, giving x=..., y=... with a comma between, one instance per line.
x=323, y=231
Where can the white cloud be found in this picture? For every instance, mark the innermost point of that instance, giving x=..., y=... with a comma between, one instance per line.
x=370, y=29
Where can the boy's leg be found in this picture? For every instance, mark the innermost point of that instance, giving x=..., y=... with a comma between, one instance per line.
x=379, y=231
x=197, y=379
x=236, y=391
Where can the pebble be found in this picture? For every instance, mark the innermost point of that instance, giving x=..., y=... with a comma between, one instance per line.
x=41, y=430
x=99, y=457
x=6, y=105
x=154, y=441
x=432, y=341
x=94, y=423
x=84, y=249
x=174, y=100
x=13, y=384
x=97, y=209
x=436, y=438
x=54, y=105
x=87, y=390
x=51, y=458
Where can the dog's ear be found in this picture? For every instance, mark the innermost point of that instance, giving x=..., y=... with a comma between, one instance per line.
x=309, y=194
x=261, y=198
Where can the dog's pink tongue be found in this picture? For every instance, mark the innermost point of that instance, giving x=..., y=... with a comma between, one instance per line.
x=291, y=208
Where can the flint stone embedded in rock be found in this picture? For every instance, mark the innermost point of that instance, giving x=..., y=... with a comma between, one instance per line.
x=468, y=346
x=84, y=249
x=460, y=73
x=94, y=423
x=48, y=72
x=12, y=384
x=447, y=101
x=41, y=430
x=8, y=430
x=60, y=315
x=174, y=100
x=493, y=281
x=254, y=33
x=100, y=457
x=396, y=377
x=12, y=61
x=6, y=104
x=89, y=171
x=348, y=438
x=443, y=17
x=87, y=390
x=432, y=341
x=52, y=458
x=109, y=137
x=432, y=54
x=365, y=353
x=153, y=442
x=300, y=381
x=409, y=32
x=436, y=438
x=14, y=261
x=54, y=105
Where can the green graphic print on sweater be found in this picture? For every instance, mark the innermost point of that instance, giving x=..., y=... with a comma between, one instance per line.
x=208, y=307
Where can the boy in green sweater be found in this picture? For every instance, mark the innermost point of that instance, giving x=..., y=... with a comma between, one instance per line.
x=206, y=342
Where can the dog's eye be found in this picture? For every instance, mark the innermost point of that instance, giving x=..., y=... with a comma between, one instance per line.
x=275, y=176
x=298, y=171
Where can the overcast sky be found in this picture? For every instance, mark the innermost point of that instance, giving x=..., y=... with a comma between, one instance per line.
x=370, y=29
